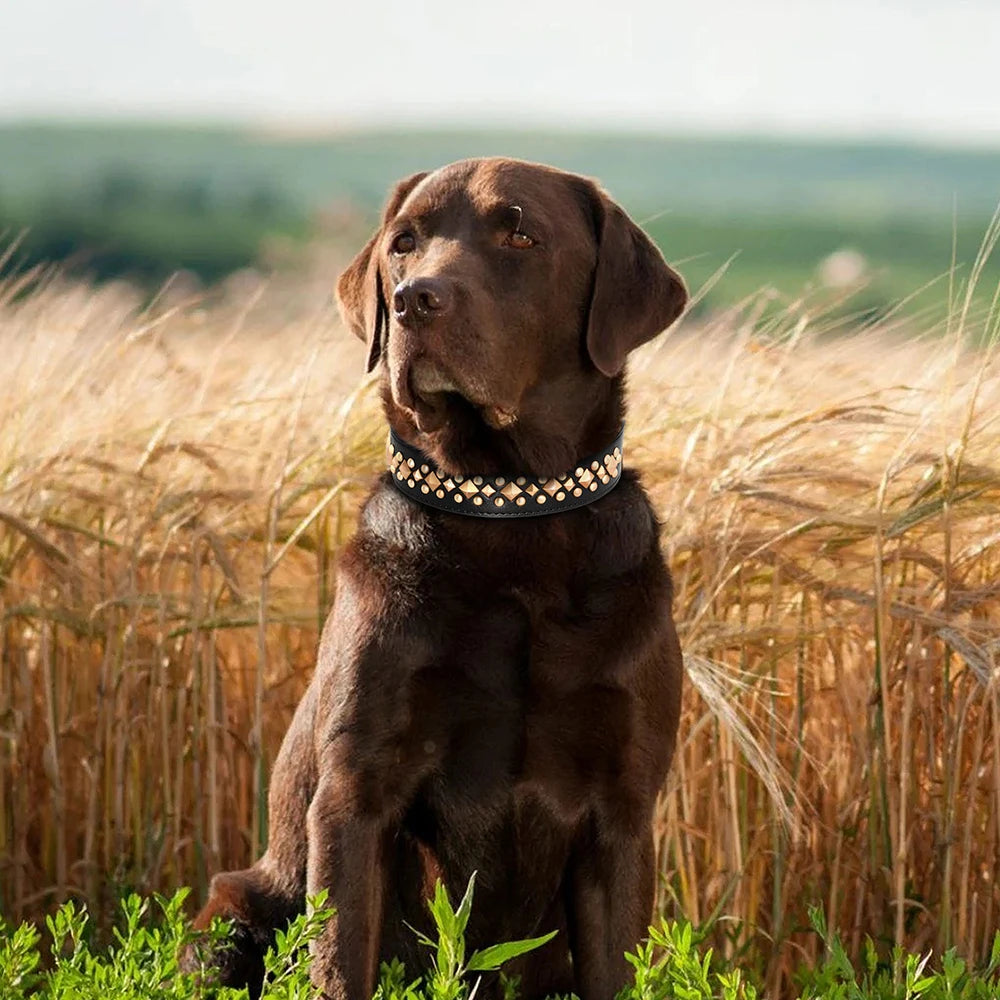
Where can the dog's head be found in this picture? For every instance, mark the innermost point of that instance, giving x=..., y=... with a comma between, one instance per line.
x=502, y=299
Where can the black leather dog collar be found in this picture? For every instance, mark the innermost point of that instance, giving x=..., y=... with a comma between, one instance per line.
x=416, y=476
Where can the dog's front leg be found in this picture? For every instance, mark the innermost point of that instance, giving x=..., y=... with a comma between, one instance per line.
x=346, y=857
x=612, y=884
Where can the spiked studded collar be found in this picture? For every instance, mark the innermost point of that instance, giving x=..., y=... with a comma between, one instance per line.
x=417, y=477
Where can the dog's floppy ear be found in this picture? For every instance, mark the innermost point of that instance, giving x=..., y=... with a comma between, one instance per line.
x=359, y=289
x=636, y=293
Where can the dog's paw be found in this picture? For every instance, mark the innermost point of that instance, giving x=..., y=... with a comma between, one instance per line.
x=237, y=959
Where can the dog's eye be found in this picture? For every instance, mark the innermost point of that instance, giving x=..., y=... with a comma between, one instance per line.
x=520, y=241
x=404, y=243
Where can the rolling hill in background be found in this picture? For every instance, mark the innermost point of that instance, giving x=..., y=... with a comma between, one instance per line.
x=146, y=200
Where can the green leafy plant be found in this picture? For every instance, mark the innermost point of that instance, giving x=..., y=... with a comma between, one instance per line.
x=286, y=965
x=672, y=964
x=18, y=959
x=451, y=976
x=144, y=960
x=905, y=977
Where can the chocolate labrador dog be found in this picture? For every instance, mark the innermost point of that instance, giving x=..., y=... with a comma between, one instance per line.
x=498, y=683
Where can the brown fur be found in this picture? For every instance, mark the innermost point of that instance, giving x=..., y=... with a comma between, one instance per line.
x=499, y=697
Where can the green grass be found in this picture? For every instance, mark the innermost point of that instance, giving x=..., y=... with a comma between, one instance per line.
x=904, y=255
x=143, y=962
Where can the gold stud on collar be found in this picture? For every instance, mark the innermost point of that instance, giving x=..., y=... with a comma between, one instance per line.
x=415, y=476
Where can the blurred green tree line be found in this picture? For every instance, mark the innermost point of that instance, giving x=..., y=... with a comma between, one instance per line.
x=127, y=224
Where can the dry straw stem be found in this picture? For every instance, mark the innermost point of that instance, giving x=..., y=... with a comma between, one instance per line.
x=176, y=483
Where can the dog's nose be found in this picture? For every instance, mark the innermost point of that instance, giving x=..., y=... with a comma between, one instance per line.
x=420, y=300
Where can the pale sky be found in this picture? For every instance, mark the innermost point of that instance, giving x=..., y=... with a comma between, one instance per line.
x=878, y=68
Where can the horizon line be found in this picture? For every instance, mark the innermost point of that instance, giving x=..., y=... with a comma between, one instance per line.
x=283, y=127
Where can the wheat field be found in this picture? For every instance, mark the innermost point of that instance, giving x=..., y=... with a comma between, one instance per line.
x=177, y=478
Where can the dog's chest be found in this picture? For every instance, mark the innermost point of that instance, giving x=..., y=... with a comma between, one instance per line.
x=495, y=674
x=511, y=702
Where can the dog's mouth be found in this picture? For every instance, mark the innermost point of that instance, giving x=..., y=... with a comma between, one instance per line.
x=427, y=379
x=423, y=388
x=430, y=393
